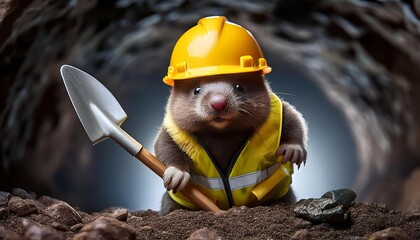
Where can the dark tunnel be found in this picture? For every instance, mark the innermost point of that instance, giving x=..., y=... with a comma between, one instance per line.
x=351, y=68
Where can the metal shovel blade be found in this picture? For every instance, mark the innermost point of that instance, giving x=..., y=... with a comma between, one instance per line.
x=101, y=116
x=89, y=97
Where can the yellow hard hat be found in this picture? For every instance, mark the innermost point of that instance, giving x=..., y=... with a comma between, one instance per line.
x=215, y=46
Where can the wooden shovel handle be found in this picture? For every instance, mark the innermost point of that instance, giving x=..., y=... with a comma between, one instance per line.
x=190, y=191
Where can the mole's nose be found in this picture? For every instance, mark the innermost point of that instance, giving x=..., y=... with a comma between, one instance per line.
x=218, y=102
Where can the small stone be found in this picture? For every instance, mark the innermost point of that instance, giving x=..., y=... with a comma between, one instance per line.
x=86, y=217
x=33, y=230
x=106, y=228
x=392, y=233
x=412, y=214
x=133, y=218
x=145, y=228
x=64, y=214
x=60, y=226
x=300, y=223
x=22, y=193
x=383, y=208
x=341, y=196
x=22, y=207
x=77, y=227
x=4, y=213
x=120, y=214
x=6, y=234
x=302, y=234
x=221, y=213
x=320, y=210
x=203, y=234
x=4, y=198
x=237, y=209
x=47, y=201
x=243, y=208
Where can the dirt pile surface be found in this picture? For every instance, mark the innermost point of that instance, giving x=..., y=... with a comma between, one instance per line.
x=28, y=217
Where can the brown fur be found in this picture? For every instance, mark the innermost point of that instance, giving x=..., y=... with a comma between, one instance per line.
x=294, y=129
x=247, y=112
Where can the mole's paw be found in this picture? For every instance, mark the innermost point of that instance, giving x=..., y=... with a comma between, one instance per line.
x=175, y=179
x=292, y=153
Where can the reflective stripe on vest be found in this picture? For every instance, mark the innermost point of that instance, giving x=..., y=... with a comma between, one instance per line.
x=236, y=182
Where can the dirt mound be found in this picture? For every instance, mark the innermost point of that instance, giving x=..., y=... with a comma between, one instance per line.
x=26, y=217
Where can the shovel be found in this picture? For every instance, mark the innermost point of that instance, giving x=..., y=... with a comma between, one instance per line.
x=101, y=116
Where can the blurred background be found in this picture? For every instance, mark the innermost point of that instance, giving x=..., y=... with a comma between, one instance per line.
x=351, y=67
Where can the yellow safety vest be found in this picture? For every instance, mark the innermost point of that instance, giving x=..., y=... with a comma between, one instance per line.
x=257, y=176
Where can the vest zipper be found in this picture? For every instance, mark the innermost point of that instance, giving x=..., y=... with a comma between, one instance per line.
x=229, y=170
x=224, y=175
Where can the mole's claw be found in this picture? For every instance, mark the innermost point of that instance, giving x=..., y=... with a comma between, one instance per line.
x=293, y=153
x=175, y=179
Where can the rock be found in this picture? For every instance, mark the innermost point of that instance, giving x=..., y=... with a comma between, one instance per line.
x=64, y=214
x=23, y=194
x=331, y=207
x=47, y=201
x=87, y=218
x=204, y=234
x=22, y=207
x=4, y=198
x=60, y=226
x=34, y=231
x=120, y=214
x=302, y=234
x=8, y=235
x=412, y=214
x=391, y=233
x=300, y=223
x=4, y=213
x=320, y=210
x=237, y=209
x=341, y=196
x=77, y=227
x=106, y=228
x=221, y=213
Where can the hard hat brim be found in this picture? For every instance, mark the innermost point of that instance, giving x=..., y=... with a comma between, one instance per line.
x=213, y=70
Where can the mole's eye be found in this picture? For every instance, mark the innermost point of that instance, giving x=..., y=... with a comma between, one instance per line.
x=239, y=88
x=197, y=90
